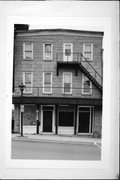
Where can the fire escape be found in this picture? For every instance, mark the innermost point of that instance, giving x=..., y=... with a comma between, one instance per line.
x=79, y=62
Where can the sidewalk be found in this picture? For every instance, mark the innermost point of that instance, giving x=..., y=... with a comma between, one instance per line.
x=57, y=138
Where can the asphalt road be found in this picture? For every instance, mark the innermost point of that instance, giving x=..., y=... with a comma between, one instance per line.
x=54, y=151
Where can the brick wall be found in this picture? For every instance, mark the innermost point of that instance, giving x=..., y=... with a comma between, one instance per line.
x=97, y=126
x=38, y=65
x=29, y=115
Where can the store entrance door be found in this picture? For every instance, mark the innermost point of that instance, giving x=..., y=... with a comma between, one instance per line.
x=47, y=120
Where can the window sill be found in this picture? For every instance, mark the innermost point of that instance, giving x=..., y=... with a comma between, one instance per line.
x=67, y=94
x=47, y=60
x=86, y=93
x=28, y=93
x=49, y=93
x=27, y=59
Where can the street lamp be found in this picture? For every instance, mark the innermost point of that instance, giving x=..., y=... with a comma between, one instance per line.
x=22, y=87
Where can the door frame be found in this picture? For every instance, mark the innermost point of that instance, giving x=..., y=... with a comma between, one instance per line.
x=53, y=118
x=91, y=119
x=71, y=57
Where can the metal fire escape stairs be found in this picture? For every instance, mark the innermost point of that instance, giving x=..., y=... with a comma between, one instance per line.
x=82, y=64
x=92, y=78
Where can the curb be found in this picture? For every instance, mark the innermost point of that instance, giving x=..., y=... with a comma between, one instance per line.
x=26, y=138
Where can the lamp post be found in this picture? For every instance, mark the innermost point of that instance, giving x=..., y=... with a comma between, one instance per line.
x=22, y=87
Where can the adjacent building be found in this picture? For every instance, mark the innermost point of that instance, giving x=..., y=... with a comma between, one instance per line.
x=62, y=73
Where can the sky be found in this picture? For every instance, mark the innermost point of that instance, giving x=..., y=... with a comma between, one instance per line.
x=69, y=23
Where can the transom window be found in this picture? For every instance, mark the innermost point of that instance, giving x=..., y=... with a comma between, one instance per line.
x=47, y=51
x=67, y=52
x=28, y=81
x=47, y=82
x=88, y=51
x=28, y=51
x=86, y=85
x=67, y=83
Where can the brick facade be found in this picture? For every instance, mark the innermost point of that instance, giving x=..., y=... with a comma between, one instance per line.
x=37, y=66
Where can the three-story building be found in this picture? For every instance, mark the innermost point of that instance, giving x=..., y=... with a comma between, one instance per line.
x=62, y=73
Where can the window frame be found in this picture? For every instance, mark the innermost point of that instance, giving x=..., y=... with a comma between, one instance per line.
x=71, y=57
x=51, y=56
x=31, y=82
x=91, y=44
x=24, y=57
x=63, y=92
x=44, y=92
x=87, y=93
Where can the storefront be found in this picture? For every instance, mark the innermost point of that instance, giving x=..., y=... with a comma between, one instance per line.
x=62, y=119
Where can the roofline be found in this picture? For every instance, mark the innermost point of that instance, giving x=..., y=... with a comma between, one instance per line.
x=61, y=30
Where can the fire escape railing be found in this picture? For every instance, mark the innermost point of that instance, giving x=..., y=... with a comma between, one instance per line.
x=56, y=91
x=84, y=64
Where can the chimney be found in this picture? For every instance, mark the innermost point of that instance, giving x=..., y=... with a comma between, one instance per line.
x=21, y=27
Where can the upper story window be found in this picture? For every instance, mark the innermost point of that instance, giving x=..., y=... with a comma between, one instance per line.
x=88, y=51
x=67, y=52
x=86, y=85
x=67, y=83
x=28, y=81
x=28, y=51
x=47, y=82
x=47, y=51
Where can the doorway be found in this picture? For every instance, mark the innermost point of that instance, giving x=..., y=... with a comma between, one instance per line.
x=84, y=120
x=67, y=52
x=47, y=119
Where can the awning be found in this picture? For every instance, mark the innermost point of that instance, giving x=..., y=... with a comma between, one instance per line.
x=56, y=100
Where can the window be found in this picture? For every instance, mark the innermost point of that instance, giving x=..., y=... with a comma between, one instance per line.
x=28, y=81
x=67, y=52
x=86, y=85
x=28, y=51
x=47, y=82
x=47, y=51
x=67, y=83
x=88, y=51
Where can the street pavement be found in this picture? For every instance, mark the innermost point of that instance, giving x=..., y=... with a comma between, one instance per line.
x=55, y=147
x=54, y=151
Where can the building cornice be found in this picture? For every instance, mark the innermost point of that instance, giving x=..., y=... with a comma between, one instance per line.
x=46, y=32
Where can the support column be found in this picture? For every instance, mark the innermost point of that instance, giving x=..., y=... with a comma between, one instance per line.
x=97, y=119
x=56, y=119
x=75, y=122
x=37, y=118
x=17, y=118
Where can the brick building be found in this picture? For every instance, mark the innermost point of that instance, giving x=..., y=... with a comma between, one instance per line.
x=62, y=73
